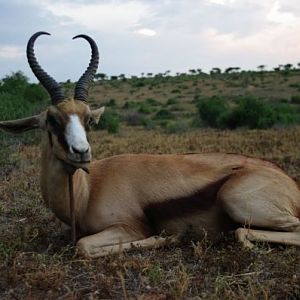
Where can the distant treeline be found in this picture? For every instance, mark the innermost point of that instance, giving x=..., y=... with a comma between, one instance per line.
x=19, y=98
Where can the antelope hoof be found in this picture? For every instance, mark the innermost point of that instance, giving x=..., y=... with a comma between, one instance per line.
x=241, y=235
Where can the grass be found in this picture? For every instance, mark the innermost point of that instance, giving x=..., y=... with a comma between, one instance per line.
x=36, y=261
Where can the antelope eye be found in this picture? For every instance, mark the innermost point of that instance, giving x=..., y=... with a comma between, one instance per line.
x=52, y=121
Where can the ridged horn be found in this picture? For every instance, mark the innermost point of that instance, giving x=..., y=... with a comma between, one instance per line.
x=81, y=89
x=53, y=88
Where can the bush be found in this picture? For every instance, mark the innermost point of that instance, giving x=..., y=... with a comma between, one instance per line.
x=173, y=100
x=110, y=103
x=109, y=121
x=13, y=106
x=295, y=99
x=285, y=114
x=148, y=123
x=212, y=110
x=35, y=93
x=152, y=102
x=14, y=84
x=14, y=90
x=178, y=127
x=134, y=118
x=250, y=112
x=144, y=108
x=130, y=105
x=137, y=83
x=163, y=114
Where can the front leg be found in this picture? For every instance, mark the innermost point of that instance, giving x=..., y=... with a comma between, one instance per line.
x=116, y=239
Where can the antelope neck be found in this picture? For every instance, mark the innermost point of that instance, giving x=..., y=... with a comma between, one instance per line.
x=55, y=185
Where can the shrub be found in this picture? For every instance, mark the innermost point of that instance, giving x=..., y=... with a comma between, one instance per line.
x=148, y=123
x=163, y=114
x=14, y=107
x=152, y=102
x=134, y=118
x=15, y=84
x=294, y=85
x=295, y=99
x=110, y=103
x=211, y=110
x=250, y=112
x=130, y=105
x=138, y=83
x=285, y=114
x=144, y=109
x=14, y=90
x=35, y=93
x=109, y=121
x=173, y=100
x=178, y=127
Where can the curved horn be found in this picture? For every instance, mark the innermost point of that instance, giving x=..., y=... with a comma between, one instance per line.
x=81, y=89
x=53, y=88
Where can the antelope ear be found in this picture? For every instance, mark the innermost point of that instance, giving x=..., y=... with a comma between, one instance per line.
x=21, y=125
x=96, y=113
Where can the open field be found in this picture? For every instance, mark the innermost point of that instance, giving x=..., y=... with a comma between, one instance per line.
x=37, y=263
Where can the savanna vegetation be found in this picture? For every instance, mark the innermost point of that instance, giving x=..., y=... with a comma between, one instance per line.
x=253, y=113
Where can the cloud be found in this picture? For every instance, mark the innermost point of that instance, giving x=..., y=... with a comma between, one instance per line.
x=221, y=2
x=146, y=31
x=107, y=16
x=10, y=52
x=282, y=17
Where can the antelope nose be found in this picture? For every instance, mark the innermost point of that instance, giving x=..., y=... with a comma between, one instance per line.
x=80, y=151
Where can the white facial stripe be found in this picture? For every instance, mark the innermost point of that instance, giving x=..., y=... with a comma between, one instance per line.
x=75, y=135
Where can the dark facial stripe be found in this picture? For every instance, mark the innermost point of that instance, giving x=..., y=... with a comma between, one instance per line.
x=62, y=140
x=58, y=130
x=202, y=199
x=50, y=139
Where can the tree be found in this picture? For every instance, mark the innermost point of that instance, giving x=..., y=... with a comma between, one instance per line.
x=167, y=73
x=122, y=77
x=229, y=70
x=261, y=68
x=16, y=83
x=288, y=67
x=215, y=71
x=100, y=76
x=286, y=71
x=192, y=71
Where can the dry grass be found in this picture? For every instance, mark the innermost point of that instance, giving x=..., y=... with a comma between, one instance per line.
x=37, y=263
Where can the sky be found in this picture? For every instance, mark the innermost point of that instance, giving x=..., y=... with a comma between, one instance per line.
x=149, y=36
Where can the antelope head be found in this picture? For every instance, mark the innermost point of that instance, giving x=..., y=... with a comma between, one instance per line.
x=66, y=121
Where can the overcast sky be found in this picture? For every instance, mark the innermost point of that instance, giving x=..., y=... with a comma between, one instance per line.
x=149, y=36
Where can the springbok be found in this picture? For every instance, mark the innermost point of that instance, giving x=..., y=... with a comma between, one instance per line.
x=129, y=200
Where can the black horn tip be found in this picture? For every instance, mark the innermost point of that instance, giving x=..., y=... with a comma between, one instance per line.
x=87, y=38
x=81, y=36
x=37, y=34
